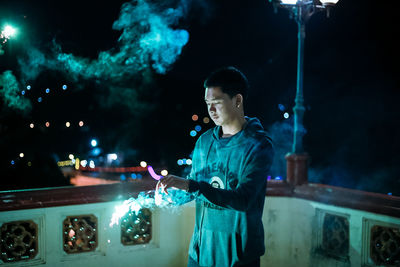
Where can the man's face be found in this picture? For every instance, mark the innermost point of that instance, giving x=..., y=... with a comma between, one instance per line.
x=221, y=107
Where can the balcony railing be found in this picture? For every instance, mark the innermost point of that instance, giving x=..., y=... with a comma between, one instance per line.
x=307, y=225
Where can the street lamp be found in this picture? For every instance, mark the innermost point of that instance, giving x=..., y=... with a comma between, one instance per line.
x=301, y=11
x=6, y=33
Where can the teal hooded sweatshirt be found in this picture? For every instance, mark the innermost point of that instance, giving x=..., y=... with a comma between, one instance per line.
x=228, y=179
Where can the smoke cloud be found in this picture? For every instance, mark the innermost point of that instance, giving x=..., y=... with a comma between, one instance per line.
x=10, y=92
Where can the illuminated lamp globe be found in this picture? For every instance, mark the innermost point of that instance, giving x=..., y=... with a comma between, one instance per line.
x=21, y=155
x=8, y=31
x=164, y=172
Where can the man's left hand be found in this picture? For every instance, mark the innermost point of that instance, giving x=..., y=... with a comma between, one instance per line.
x=172, y=181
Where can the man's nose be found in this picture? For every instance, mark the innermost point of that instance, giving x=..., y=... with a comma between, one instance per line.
x=211, y=107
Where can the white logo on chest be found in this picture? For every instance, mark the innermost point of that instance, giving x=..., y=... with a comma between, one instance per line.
x=216, y=182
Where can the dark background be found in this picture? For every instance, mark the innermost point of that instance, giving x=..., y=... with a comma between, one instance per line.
x=351, y=89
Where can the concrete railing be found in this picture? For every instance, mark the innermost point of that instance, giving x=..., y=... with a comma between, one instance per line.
x=308, y=225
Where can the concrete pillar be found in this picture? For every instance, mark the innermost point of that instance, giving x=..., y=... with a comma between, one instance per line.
x=297, y=168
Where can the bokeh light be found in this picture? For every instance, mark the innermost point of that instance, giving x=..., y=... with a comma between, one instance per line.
x=39, y=99
x=197, y=128
x=28, y=87
x=31, y=125
x=164, y=172
x=206, y=120
x=193, y=133
x=64, y=87
x=286, y=115
x=195, y=117
x=47, y=124
x=189, y=162
x=93, y=142
x=71, y=156
x=21, y=155
x=81, y=123
x=67, y=124
x=23, y=92
x=143, y=164
x=47, y=90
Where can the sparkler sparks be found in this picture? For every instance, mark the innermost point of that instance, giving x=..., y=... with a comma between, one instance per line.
x=159, y=199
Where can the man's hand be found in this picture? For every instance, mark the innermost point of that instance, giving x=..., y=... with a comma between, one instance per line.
x=172, y=181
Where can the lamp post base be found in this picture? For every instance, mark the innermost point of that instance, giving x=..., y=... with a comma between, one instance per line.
x=297, y=168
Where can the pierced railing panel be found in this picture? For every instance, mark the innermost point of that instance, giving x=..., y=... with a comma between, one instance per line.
x=80, y=233
x=136, y=228
x=19, y=241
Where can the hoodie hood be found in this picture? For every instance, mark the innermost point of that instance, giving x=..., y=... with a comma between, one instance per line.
x=252, y=128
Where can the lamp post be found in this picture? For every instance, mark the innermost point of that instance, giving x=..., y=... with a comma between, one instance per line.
x=301, y=11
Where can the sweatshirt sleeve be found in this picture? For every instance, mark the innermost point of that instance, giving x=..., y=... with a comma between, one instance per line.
x=252, y=181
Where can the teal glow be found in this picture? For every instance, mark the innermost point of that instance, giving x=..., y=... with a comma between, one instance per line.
x=47, y=90
x=197, y=128
x=193, y=133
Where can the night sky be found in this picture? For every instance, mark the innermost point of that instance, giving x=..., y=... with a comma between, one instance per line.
x=351, y=86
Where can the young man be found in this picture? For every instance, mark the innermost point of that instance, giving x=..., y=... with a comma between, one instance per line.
x=228, y=178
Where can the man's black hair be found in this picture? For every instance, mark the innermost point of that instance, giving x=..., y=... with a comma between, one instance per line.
x=231, y=80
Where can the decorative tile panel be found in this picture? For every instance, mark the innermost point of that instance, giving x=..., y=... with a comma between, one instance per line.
x=136, y=228
x=80, y=233
x=331, y=235
x=18, y=241
x=335, y=235
x=385, y=245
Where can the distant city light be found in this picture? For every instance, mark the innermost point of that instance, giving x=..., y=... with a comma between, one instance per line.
x=389, y=194
x=64, y=87
x=286, y=115
x=31, y=125
x=193, y=133
x=47, y=124
x=122, y=177
x=197, y=128
x=111, y=157
x=195, y=117
x=281, y=107
x=164, y=172
x=91, y=164
x=133, y=175
x=206, y=120
x=278, y=178
x=67, y=124
x=84, y=163
x=289, y=2
x=21, y=155
x=93, y=142
x=47, y=90
x=12, y=162
x=39, y=99
x=188, y=162
x=28, y=87
x=143, y=164
x=71, y=156
x=180, y=162
x=184, y=161
x=81, y=123
x=23, y=92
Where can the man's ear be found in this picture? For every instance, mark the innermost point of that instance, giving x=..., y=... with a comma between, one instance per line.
x=239, y=100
